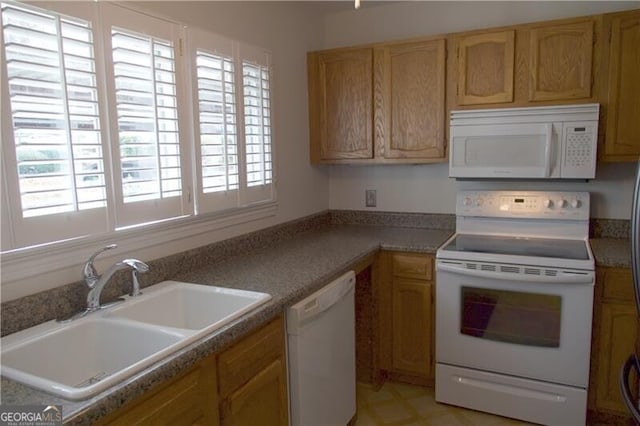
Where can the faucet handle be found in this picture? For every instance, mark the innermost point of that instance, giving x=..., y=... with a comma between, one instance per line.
x=89, y=272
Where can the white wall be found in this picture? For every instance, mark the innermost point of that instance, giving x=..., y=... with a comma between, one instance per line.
x=426, y=188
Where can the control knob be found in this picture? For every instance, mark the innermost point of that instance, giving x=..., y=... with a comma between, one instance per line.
x=576, y=203
x=562, y=203
x=548, y=203
x=467, y=201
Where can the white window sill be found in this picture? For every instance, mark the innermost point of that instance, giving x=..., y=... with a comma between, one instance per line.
x=35, y=261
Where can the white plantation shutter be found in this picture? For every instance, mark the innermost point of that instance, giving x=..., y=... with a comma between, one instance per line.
x=232, y=122
x=58, y=174
x=256, y=92
x=215, y=120
x=109, y=122
x=145, y=104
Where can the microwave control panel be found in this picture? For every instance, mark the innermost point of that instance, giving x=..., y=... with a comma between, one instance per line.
x=579, y=149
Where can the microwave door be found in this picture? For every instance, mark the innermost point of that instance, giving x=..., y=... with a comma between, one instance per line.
x=504, y=151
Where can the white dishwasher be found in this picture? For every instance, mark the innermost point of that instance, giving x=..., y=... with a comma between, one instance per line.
x=322, y=358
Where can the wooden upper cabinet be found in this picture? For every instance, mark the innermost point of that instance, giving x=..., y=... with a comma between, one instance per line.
x=560, y=61
x=409, y=93
x=622, y=140
x=485, y=68
x=340, y=99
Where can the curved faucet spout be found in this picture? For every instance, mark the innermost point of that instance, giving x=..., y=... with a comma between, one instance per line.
x=136, y=265
x=93, y=298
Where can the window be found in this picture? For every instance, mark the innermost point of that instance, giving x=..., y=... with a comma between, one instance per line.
x=54, y=167
x=71, y=172
x=143, y=97
x=233, y=122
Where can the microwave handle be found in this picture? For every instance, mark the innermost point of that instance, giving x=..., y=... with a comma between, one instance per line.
x=547, y=149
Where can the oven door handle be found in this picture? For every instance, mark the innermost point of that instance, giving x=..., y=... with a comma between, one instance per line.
x=586, y=278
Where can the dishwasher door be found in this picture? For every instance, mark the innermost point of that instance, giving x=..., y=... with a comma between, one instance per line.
x=322, y=362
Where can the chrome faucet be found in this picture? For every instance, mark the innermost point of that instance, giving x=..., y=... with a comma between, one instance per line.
x=96, y=283
x=93, y=298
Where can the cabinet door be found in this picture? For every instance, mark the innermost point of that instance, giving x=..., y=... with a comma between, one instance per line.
x=410, y=105
x=560, y=62
x=261, y=401
x=341, y=111
x=623, y=117
x=190, y=399
x=617, y=339
x=485, y=68
x=412, y=327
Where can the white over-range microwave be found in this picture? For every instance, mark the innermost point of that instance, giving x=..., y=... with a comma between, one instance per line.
x=555, y=142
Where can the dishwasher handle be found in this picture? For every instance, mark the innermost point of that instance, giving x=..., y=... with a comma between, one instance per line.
x=313, y=306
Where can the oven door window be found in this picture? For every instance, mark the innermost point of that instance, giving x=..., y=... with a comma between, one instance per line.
x=510, y=316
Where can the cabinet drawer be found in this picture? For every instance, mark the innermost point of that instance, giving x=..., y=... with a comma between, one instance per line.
x=245, y=359
x=412, y=266
x=618, y=284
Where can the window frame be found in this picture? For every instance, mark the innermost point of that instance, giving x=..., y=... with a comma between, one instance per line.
x=21, y=262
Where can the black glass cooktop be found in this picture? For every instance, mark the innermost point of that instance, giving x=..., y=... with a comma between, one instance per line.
x=520, y=246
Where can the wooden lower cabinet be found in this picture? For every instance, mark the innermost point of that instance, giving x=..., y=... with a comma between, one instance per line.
x=190, y=399
x=406, y=317
x=618, y=334
x=253, y=379
x=615, y=329
x=245, y=384
x=262, y=400
x=412, y=340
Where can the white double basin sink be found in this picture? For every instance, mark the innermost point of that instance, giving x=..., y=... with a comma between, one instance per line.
x=81, y=358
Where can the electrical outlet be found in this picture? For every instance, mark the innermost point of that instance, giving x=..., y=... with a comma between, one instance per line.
x=370, y=197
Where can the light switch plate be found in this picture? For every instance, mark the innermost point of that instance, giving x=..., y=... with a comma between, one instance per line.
x=370, y=197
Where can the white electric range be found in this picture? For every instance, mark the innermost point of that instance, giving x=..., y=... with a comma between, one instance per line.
x=514, y=299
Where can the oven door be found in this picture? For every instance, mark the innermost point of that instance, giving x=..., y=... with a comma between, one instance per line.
x=514, y=323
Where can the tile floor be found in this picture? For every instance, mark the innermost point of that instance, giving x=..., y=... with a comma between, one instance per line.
x=396, y=404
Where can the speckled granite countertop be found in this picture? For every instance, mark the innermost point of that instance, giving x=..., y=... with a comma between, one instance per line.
x=612, y=252
x=288, y=270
